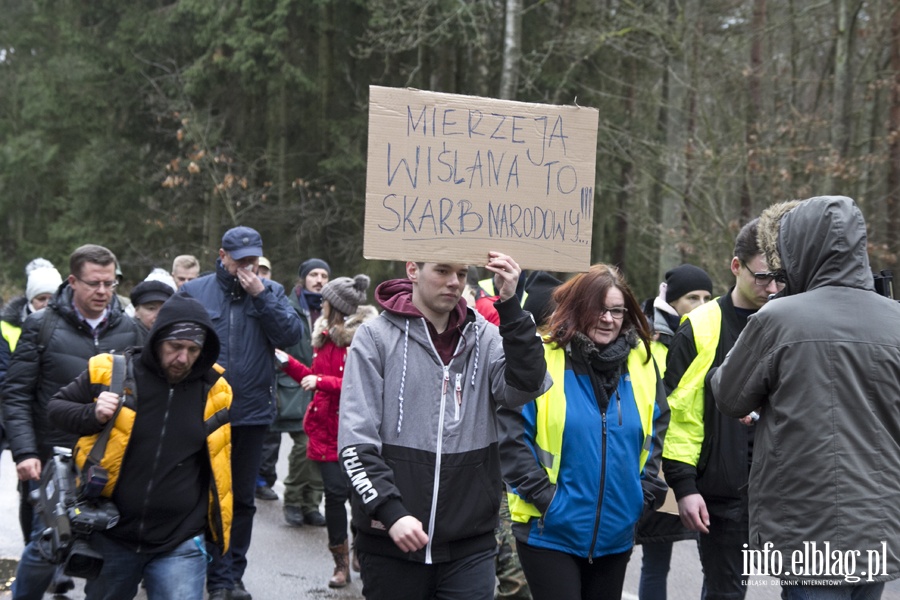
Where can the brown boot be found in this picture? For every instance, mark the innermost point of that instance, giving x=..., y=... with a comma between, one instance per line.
x=341, y=554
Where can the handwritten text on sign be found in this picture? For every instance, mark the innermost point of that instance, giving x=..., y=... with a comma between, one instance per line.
x=451, y=177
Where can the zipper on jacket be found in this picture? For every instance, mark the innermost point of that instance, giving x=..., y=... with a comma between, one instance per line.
x=162, y=437
x=618, y=406
x=436, y=484
x=600, y=494
x=458, y=393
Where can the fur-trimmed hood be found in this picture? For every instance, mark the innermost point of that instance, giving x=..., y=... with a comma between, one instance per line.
x=817, y=242
x=342, y=336
x=15, y=311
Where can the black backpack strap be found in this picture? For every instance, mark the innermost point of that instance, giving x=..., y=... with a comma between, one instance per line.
x=48, y=324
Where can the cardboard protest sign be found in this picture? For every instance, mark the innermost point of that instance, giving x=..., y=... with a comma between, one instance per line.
x=450, y=177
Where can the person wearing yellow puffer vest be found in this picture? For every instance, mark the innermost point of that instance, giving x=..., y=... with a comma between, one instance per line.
x=582, y=462
x=168, y=456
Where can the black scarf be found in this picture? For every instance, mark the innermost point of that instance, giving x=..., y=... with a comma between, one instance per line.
x=313, y=303
x=606, y=364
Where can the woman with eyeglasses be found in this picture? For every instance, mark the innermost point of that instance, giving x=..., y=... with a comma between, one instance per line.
x=582, y=462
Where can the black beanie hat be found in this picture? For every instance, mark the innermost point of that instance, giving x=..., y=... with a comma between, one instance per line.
x=313, y=263
x=684, y=279
x=539, y=303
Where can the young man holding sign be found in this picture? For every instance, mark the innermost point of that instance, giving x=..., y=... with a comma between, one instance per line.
x=418, y=435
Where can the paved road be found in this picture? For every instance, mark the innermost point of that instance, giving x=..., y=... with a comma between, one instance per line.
x=294, y=564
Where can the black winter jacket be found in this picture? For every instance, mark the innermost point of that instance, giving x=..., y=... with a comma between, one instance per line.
x=36, y=373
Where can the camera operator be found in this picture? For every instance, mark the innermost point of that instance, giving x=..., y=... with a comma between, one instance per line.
x=167, y=458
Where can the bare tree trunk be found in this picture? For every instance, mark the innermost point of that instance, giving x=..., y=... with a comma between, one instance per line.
x=662, y=117
x=674, y=181
x=687, y=214
x=754, y=109
x=512, y=50
x=626, y=173
x=892, y=198
x=840, y=126
x=326, y=75
x=277, y=141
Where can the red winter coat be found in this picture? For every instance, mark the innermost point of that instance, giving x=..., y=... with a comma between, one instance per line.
x=329, y=353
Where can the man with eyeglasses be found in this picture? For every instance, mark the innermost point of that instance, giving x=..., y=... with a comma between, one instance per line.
x=82, y=319
x=706, y=455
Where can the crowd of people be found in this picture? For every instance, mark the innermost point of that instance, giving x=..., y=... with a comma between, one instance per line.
x=509, y=437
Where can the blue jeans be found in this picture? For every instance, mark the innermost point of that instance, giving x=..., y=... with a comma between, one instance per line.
x=246, y=454
x=179, y=573
x=870, y=591
x=654, y=570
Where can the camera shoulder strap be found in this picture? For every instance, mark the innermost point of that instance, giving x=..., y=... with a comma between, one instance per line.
x=117, y=384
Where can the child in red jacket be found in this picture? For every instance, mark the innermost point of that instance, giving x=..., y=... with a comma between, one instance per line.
x=332, y=333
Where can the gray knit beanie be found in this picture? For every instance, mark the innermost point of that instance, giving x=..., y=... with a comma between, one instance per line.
x=346, y=294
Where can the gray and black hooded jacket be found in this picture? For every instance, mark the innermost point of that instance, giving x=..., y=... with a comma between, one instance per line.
x=418, y=437
x=822, y=367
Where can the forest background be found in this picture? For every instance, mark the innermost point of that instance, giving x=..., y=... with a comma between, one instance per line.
x=152, y=126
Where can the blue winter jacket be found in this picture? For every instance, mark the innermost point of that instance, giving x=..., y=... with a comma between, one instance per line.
x=603, y=483
x=249, y=330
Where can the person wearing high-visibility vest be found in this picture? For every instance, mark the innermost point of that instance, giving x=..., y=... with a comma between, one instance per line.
x=582, y=462
x=685, y=288
x=706, y=456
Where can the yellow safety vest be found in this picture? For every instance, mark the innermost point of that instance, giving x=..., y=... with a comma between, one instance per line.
x=684, y=437
x=11, y=334
x=551, y=417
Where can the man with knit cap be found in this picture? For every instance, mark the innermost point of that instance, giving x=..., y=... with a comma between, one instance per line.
x=705, y=455
x=821, y=366
x=252, y=317
x=418, y=431
x=83, y=318
x=167, y=456
x=303, y=487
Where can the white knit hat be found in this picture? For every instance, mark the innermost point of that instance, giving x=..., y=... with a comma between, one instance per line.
x=162, y=275
x=43, y=280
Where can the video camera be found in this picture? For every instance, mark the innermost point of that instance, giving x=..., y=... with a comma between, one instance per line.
x=71, y=512
x=884, y=283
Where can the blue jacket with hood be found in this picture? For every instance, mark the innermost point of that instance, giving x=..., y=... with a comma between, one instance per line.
x=249, y=329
